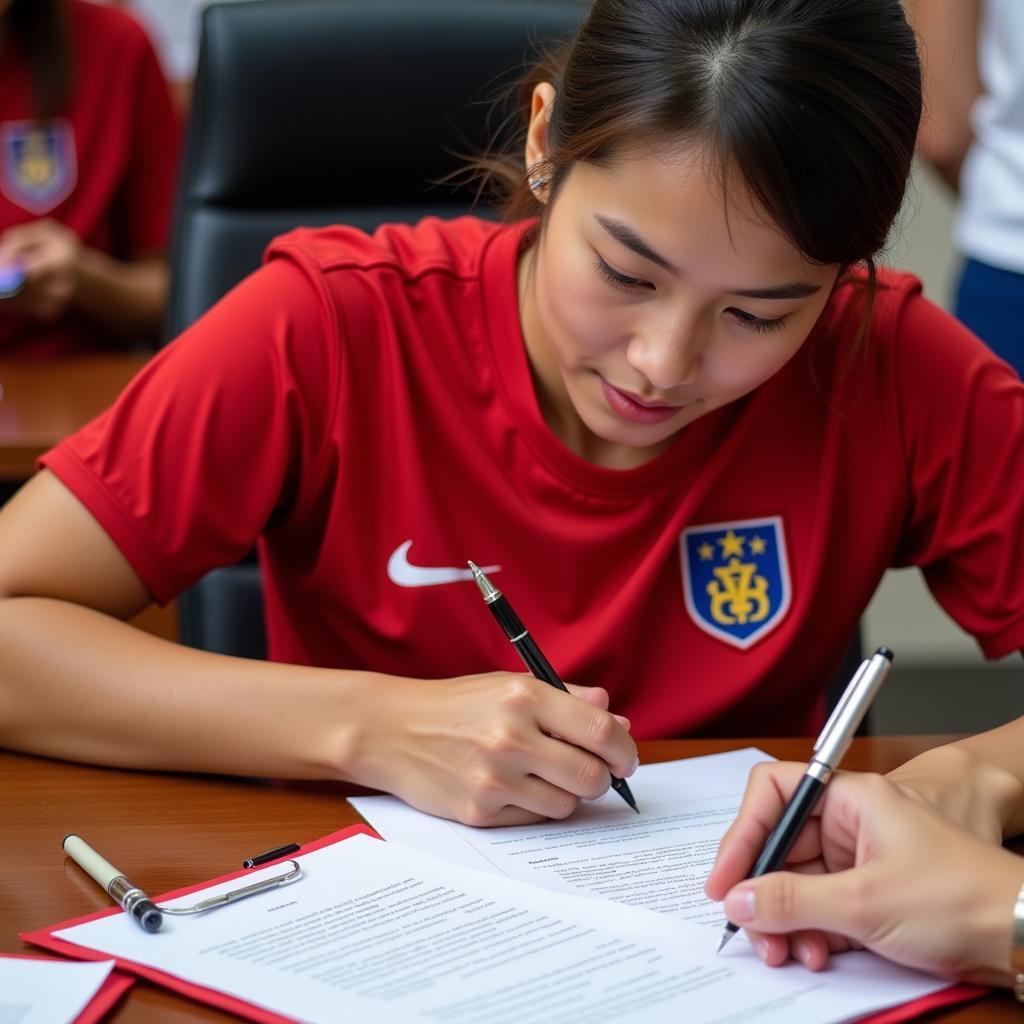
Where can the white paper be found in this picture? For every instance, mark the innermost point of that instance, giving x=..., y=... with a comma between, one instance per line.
x=657, y=859
x=47, y=991
x=378, y=932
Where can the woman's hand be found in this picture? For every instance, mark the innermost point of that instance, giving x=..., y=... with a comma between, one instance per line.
x=872, y=869
x=972, y=793
x=51, y=255
x=494, y=749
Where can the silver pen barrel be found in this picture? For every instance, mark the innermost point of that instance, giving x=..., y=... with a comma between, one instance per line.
x=844, y=721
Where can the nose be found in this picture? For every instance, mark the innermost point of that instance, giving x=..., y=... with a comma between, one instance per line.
x=667, y=356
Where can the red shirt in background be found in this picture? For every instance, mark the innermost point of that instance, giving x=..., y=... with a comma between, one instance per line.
x=106, y=166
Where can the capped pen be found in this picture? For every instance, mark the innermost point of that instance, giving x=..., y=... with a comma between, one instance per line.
x=265, y=858
x=532, y=656
x=829, y=749
x=143, y=911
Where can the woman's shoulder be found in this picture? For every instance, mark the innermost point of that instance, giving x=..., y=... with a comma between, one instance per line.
x=894, y=291
x=433, y=245
x=906, y=326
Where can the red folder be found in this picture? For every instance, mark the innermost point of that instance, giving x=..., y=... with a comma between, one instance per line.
x=114, y=986
x=45, y=938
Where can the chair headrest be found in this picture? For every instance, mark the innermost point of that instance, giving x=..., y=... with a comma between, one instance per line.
x=312, y=103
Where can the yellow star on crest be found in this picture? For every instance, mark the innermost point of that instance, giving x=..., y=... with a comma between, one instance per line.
x=706, y=552
x=757, y=546
x=732, y=544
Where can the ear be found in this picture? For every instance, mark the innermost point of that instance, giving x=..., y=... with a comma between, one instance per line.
x=537, y=132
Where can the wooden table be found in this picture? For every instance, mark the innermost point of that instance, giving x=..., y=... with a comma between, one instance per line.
x=44, y=402
x=167, y=831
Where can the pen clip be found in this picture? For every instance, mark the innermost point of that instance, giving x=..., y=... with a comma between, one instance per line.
x=236, y=894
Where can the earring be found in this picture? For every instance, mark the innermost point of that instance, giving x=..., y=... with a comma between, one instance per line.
x=537, y=183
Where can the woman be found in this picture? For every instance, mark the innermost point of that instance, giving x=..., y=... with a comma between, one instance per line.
x=678, y=415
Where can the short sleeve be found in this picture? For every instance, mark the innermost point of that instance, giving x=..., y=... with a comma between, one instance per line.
x=216, y=436
x=962, y=416
x=146, y=198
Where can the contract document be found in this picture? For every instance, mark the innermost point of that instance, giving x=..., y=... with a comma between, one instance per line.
x=657, y=859
x=374, y=931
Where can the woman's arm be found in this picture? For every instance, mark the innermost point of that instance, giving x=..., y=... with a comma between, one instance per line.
x=978, y=781
x=78, y=683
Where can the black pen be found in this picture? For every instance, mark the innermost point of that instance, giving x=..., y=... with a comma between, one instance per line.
x=829, y=749
x=531, y=654
x=265, y=858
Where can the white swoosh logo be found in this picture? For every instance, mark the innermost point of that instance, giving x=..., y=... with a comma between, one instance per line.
x=402, y=572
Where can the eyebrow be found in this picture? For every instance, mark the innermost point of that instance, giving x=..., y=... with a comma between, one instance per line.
x=624, y=234
x=790, y=290
x=631, y=240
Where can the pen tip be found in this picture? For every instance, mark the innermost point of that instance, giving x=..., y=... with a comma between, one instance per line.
x=727, y=934
x=474, y=567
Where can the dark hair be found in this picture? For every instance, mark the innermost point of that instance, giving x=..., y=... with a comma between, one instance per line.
x=815, y=102
x=38, y=31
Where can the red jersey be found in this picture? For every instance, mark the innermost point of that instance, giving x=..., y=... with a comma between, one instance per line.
x=364, y=408
x=106, y=167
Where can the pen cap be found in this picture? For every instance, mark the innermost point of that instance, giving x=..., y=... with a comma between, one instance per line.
x=852, y=707
x=90, y=861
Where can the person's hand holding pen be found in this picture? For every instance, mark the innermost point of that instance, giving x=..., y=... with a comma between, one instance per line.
x=494, y=749
x=873, y=868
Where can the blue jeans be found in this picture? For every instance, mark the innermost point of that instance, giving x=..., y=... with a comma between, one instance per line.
x=990, y=302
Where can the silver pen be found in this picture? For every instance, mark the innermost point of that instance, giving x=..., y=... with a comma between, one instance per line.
x=829, y=749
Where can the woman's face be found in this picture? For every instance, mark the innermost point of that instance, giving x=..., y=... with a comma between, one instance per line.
x=643, y=307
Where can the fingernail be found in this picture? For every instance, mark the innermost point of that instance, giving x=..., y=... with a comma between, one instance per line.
x=739, y=906
x=761, y=948
x=802, y=952
x=633, y=767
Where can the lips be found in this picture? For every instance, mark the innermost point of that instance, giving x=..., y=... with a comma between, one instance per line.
x=632, y=408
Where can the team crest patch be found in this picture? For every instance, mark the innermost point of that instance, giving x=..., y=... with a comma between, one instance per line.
x=39, y=168
x=736, y=578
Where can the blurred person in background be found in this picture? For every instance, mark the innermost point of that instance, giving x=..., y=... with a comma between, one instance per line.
x=89, y=145
x=973, y=134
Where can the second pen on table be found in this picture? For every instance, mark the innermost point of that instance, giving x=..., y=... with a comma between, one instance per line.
x=531, y=654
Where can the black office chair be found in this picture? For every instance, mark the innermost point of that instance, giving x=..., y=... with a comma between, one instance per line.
x=311, y=112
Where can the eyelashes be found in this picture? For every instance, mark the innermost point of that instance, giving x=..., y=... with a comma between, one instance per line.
x=758, y=324
x=749, y=322
x=617, y=280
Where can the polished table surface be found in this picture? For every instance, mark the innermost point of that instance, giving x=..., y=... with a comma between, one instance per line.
x=40, y=403
x=166, y=831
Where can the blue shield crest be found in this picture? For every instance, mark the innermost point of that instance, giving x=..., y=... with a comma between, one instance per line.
x=736, y=578
x=38, y=168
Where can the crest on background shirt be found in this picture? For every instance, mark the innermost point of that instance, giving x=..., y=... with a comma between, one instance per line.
x=39, y=168
x=736, y=578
